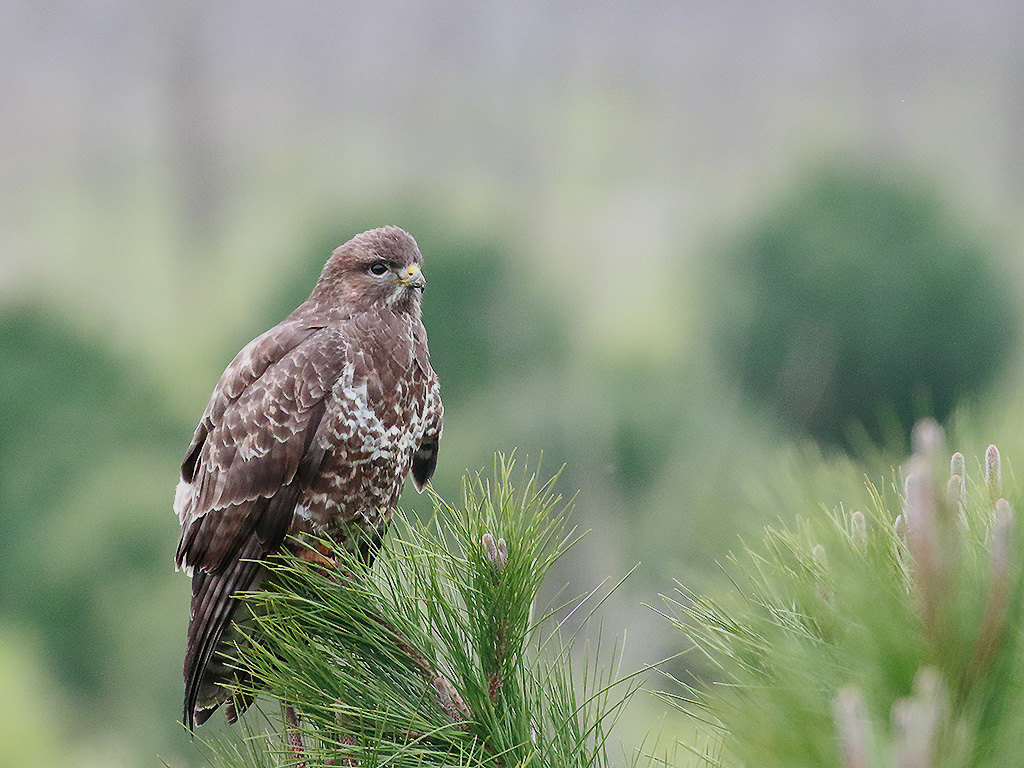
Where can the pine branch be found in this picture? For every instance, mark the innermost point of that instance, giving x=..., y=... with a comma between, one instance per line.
x=432, y=657
x=888, y=637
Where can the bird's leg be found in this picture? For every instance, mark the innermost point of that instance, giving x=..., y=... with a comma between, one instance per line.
x=291, y=721
x=318, y=556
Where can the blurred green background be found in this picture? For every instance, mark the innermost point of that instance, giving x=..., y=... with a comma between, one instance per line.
x=677, y=247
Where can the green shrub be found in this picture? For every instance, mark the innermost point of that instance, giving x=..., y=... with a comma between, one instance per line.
x=862, y=302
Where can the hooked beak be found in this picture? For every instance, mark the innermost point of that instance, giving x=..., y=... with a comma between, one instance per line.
x=412, y=277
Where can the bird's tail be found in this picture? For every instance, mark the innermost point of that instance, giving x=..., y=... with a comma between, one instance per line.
x=207, y=670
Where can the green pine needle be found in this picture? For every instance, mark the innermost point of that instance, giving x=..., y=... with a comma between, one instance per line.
x=432, y=657
x=886, y=637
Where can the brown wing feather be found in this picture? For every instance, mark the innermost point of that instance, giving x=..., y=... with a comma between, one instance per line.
x=214, y=606
x=424, y=460
x=241, y=480
x=252, y=441
x=249, y=365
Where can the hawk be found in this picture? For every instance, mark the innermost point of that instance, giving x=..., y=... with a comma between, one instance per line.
x=312, y=429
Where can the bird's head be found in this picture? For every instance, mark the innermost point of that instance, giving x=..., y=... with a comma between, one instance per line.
x=379, y=268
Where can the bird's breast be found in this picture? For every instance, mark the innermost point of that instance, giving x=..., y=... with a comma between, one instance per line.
x=372, y=426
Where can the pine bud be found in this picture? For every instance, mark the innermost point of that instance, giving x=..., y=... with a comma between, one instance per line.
x=853, y=726
x=919, y=508
x=993, y=621
x=917, y=719
x=1000, y=534
x=497, y=552
x=956, y=493
x=489, y=548
x=993, y=474
x=957, y=465
x=927, y=439
x=859, y=529
x=502, y=552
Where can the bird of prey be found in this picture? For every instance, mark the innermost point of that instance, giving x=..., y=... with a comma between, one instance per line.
x=312, y=429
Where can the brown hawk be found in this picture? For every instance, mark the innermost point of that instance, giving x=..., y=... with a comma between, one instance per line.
x=312, y=428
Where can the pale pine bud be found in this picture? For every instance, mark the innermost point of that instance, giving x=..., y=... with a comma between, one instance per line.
x=1000, y=535
x=919, y=509
x=993, y=620
x=900, y=525
x=820, y=556
x=927, y=438
x=489, y=548
x=957, y=465
x=502, y=552
x=853, y=726
x=497, y=553
x=488, y=541
x=917, y=719
x=956, y=492
x=859, y=529
x=956, y=496
x=932, y=549
x=993, y=474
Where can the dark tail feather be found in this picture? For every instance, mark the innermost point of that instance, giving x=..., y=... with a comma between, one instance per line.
x=213, y=607
x=236, y=707
x=424, y=461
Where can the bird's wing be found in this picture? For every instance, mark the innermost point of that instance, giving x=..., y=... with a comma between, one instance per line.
x=424, y=460
x=242, y=478
x=251, y=441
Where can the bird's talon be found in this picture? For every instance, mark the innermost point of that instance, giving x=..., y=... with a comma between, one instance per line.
x=318, y=556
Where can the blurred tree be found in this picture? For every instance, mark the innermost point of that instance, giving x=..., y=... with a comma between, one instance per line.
x=861, y=302
x=29, y=709
x=87, y=458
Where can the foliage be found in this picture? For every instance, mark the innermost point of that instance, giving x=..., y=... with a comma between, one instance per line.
x=434, y=655
x=862, y=302
x=85, y=443
x=89, y=609
x=888, y=636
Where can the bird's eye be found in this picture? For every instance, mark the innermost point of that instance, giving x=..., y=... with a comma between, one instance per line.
x=378, y=268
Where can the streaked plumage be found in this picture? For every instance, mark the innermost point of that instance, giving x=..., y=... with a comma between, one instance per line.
x=313, y=427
